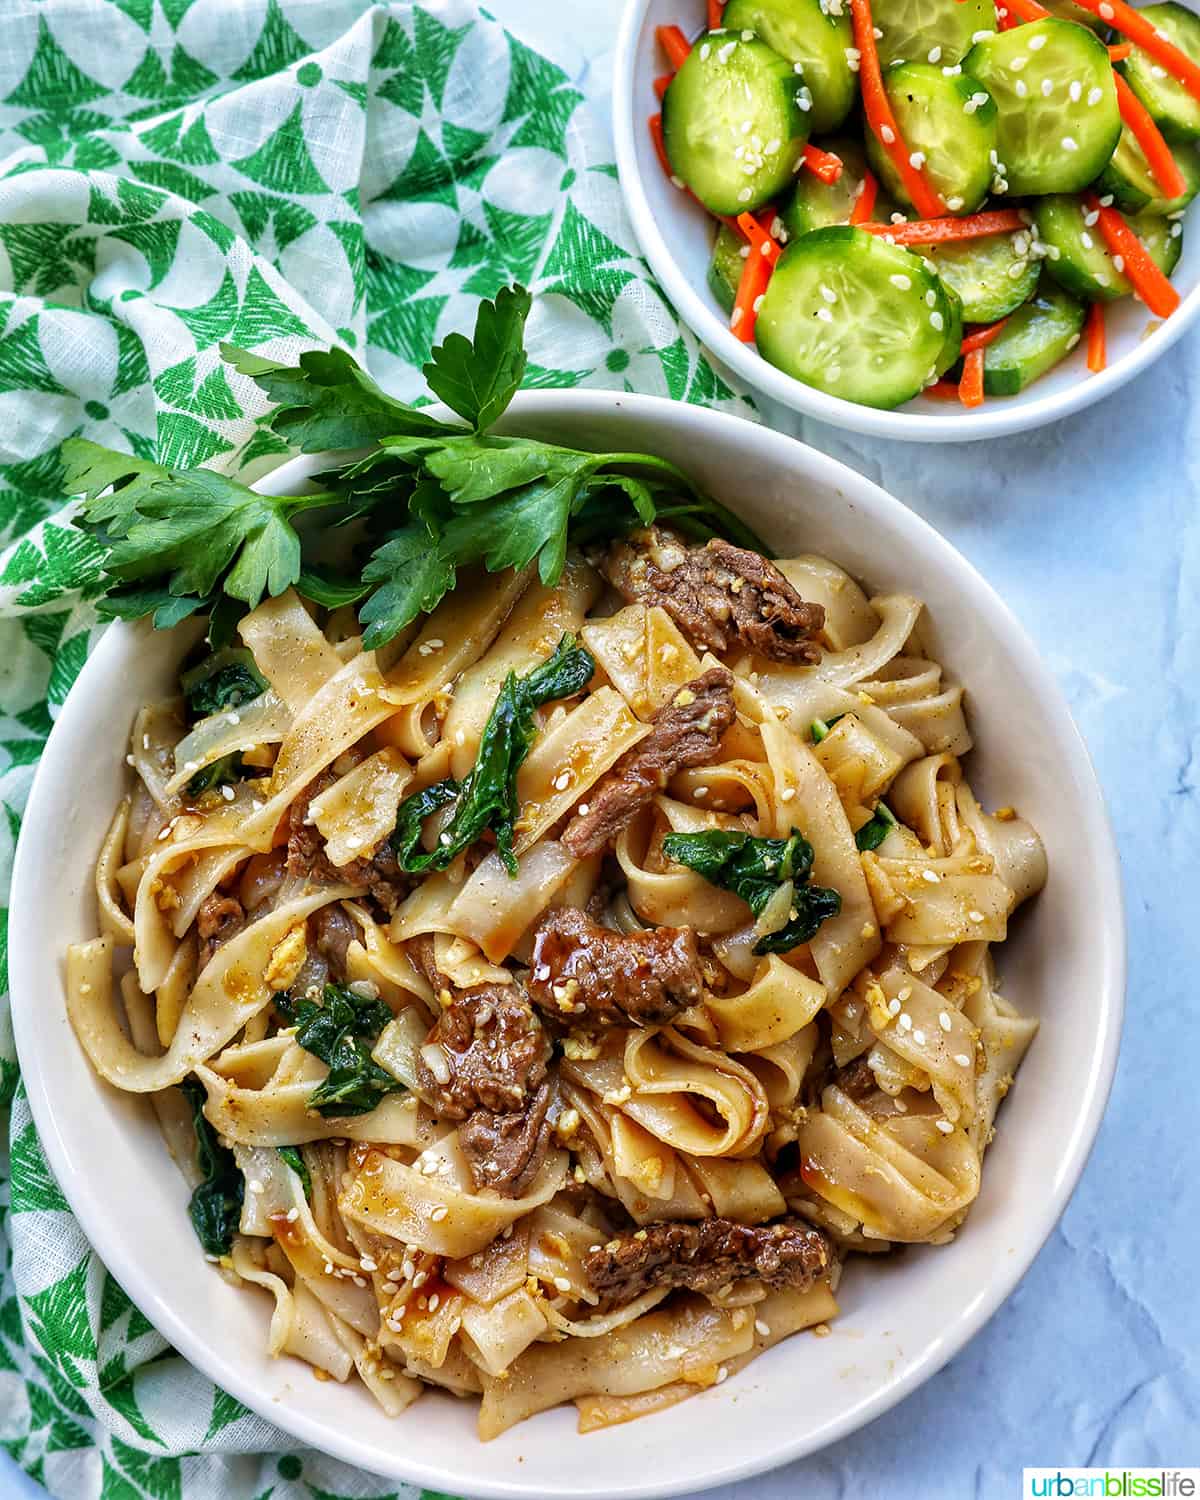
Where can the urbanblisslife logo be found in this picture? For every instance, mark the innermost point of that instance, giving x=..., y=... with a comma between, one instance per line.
x=1112, y=1484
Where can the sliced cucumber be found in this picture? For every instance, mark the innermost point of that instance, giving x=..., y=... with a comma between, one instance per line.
x=725, y=268
x=1174, y=110
x=993, y=275
x=812, y=35
x=915, y=29
x=1067, y=10
x=1059, y=122
x=732, y=125
x=855, y=317
x=1134, y=187
x=1083, y=264
x=951, y=122
x=952, y=344
x=1034, y=340
x=813, y=204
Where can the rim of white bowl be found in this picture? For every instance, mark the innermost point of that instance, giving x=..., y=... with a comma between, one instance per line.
x=999, y=419
x=117, y=1250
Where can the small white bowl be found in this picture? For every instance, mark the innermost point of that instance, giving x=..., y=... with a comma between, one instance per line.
x=676, y=237
x=901, y=1320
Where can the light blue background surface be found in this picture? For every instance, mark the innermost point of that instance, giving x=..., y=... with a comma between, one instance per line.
x=1090, y=529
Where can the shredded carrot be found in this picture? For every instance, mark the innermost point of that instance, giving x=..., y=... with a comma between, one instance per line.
x=1026, y=10
x=822, y=164
x=674, y=44
x=759, y=235
x=1124, y=246
x=970, y=387
x=1158, y=156
x=1005, y=20
x=756, y=273
x=942, y=390
x=1120, y=52
x=940, y=231
x=864, y=204
x=1097, y=352
x=880, y=118
x=1123, y=18
x=660, y=146
x=980, y=338
x=661, y=84
x=716, y=13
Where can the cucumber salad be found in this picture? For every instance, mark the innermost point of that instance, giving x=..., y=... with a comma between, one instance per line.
x=934, y=196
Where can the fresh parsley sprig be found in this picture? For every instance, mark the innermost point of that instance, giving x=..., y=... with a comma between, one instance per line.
x=427, y=497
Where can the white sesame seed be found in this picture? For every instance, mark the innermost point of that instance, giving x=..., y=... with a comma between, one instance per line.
x=930, y=298
x=944, y=1020
x=954, y=204
x=1036, y=43
x=1176, y=231
x=1094, y=97
x=931, y=877
x=1021, y=88
x=982, y=36
x=1107, y=12
x=834, y=373
x=975, y=916
x=437, y=1215
x=887, y=135
x=916, y=160
x=762, y=1329
x=1047, y=87
x=562, y=1284
x=893, y=1007
x=704, y=52
x=254, y=1185
x=292, y=1215
x=1085, y=239
x=1118, y=263
x=1018, y=63
x=745, y=195
x=772, y=146
x=824, y=314
x=962, y=1059
x=919, y=1037
x=936, y=321
x=1106, y=200
x=722, y=1375
x=1074, y=91
x=1069, y=143
x=905, y=1022
x=935, y=54
x=368, y=1264
x=758, y=302
x=945, y=1127
x=900, y=281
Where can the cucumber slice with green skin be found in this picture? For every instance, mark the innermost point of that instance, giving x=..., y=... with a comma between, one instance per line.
x=993, y=275
x=813, y=204
x=816, y=38
x=725, y=267
x=1053, y=85
x=914, y=28
x=952, y=344
x=1171, y=107
x=1034, y=340
x=732, y=123
x=951, y=122
x=855, y=317
x=1083, y=264
x=1134, y=187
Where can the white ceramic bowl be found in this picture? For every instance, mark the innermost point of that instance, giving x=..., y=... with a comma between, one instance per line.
x=676, y=236
x=901, y=1321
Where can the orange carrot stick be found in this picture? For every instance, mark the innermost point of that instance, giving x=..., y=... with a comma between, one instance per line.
x=716, y=12
x=1026, y=10
x=661, y=84
x=1158, y=156
x=656, y=135
x=1005, y=20
x=980, y=338
x=1120, y=52
x=822, y=164
x=1097, y=352
x=940, y=231
x=756, y=273
x=942, y=390
x=1130, y=257
x=759, y=235
x=864, y=204
x=674, y=44
x=879, y=114
x=970, y=387
x=1123, y=18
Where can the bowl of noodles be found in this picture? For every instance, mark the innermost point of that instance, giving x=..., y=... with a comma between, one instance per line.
x=579, y=1031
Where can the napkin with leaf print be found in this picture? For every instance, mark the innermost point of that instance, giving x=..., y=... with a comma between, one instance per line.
x=174, y=173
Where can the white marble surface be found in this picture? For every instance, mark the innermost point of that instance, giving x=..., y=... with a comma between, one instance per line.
x=1090, y=530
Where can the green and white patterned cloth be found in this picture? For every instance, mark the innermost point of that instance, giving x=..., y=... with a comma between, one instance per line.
x=174, y=173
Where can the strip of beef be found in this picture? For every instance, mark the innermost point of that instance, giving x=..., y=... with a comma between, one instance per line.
x=379, y=873
x=490, y=1073
x=706, y=1256
x=718, y=594
x=219, y=917
x=619, y=979
x=331, y=931
x=506, y=1150
x=856, y=1080
x=685, y=733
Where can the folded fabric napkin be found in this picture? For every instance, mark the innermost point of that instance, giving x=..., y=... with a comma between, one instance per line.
x=174, y=173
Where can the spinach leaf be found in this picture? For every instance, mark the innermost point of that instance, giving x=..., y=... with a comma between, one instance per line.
x=754, y=868
x=291, y=1155
x=226, y=770
x=216, y=1204
x=488, y=796
x=226, y=679
x=872, y=834
x=339, y=1031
